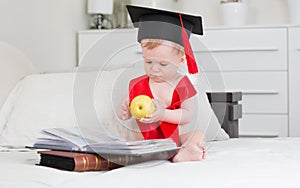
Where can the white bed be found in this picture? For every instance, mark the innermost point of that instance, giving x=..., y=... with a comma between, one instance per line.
x=47, y=100
x=251, y=162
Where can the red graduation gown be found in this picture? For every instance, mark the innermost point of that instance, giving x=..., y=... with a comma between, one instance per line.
x=183, y=91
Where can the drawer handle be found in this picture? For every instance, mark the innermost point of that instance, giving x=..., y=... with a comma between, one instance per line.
x=267, y=49
x=260, y=92
x=259, y=135
x=298, y=48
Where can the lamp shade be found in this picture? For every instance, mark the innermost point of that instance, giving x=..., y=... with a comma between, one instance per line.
x=100, y=6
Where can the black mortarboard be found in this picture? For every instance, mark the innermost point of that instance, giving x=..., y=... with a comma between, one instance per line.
x=167, y=25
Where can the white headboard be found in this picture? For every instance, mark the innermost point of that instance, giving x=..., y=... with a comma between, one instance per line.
x=14, y=65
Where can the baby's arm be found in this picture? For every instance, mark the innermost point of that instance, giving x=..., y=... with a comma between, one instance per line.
x=123, y=111
x=181, y=116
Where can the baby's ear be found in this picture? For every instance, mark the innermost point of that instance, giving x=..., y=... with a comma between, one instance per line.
x=182, y=60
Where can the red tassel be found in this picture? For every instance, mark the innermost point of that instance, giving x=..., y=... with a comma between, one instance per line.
x=190, y=59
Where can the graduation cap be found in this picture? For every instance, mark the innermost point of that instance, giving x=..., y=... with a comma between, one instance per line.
x=167, y=25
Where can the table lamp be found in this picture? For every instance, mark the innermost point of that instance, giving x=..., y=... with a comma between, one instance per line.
x=98, y=8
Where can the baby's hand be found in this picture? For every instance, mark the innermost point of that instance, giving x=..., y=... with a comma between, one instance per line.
x=157, y=115
x=125, y=109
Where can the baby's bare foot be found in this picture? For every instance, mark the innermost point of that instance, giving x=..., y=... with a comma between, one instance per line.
x=190, y=153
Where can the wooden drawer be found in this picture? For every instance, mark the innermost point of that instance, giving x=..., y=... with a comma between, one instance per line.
x=263, y=125
x=115, y=48
x=263, y=92
x=241, y=49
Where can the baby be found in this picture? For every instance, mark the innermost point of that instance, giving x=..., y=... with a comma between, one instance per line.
x=164, y=39
x=173, y=95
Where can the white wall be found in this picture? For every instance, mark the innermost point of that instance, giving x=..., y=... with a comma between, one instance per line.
x=261, y=12
x=45, y=30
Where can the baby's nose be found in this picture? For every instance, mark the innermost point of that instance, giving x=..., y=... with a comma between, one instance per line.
x=155, y=67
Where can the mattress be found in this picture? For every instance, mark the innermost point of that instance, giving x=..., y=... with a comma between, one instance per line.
x=241, y=162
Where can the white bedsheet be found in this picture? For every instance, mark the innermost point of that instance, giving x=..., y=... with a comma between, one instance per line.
x=243, y=162
x=18, y=169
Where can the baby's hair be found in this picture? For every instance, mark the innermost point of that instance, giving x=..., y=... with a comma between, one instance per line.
x=153, y=43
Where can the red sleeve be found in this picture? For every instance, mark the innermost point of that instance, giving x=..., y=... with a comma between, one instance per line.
x=185, y=89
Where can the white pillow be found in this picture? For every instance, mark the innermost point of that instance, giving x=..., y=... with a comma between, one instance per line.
x=58, y=100
x=207, y=120
x=15, y=65
x=42, y=101
x=52, y=100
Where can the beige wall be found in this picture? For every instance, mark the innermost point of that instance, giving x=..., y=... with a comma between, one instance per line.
x=45, y=30
x=261, y=12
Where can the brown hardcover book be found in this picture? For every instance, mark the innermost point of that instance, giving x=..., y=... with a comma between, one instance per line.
x=78, y=161
x=73, y=161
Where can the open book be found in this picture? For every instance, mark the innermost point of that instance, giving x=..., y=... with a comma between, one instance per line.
x=91, y=141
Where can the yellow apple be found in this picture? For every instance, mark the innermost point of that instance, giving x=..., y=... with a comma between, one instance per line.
x=141, y=106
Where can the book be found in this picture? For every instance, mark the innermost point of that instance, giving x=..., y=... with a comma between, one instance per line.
x=92, y=141
x=78, y=162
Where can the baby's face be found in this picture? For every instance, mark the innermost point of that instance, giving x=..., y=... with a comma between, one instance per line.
x=162, y=62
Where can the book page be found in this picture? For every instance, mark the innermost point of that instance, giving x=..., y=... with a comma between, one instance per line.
x=91, y=140
x=78, y=137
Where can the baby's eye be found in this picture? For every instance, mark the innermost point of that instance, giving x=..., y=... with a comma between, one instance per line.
x=149, y=62
x=163, y=64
